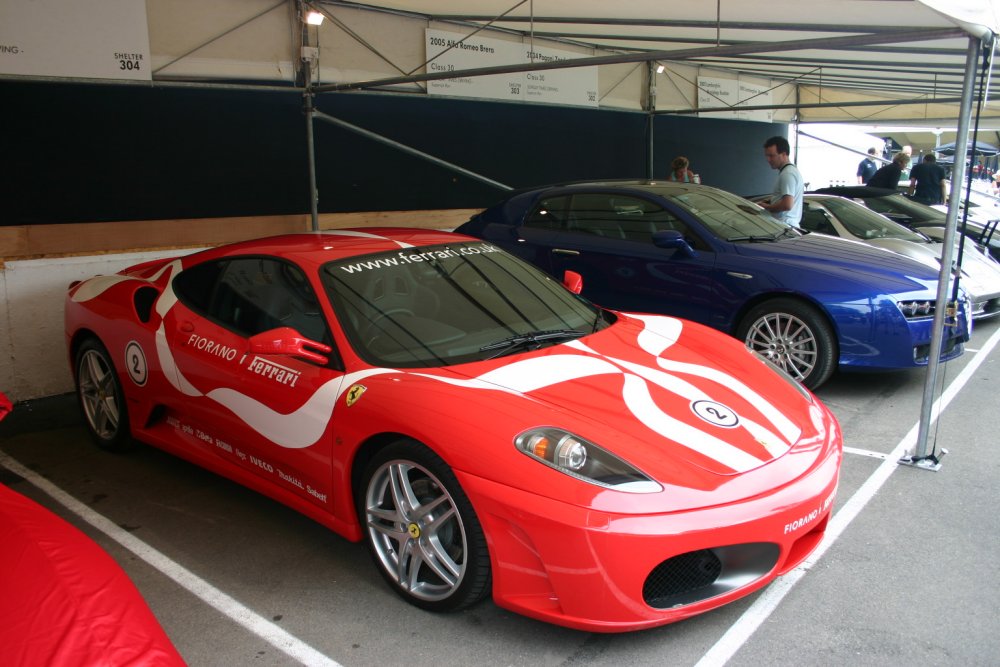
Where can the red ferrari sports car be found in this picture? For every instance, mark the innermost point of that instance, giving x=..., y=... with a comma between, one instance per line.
x=482, y=427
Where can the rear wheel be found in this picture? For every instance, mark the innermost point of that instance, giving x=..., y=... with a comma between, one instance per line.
x=421, y=529
x=793, y=335
x=101, y=398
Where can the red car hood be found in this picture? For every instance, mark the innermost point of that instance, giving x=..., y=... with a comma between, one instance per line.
x=687, y=405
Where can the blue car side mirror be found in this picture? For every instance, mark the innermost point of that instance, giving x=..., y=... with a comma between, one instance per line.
x=672, y=239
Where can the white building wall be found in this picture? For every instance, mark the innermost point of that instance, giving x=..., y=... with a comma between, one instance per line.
x=33, y=362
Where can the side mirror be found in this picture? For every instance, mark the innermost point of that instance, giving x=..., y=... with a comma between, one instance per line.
x=286, y=340
x=573, y=281
x=671, y=239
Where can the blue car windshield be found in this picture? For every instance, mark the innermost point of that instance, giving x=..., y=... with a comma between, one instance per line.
x=452, y=304
x=727, y=216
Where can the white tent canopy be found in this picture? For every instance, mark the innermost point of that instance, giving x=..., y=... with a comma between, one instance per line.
x=869, y=61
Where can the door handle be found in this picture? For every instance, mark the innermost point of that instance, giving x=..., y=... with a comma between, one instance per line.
x=563, y=251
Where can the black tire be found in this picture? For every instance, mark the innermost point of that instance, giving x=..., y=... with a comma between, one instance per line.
x=100, y=396
x=793, y=335
x=422, y=532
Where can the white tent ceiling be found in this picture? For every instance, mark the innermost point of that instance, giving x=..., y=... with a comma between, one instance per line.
x=841, y=55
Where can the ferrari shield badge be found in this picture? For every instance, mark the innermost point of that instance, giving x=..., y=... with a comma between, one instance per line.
x=354, y=393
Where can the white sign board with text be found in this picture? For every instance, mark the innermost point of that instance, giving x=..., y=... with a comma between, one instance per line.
x=449, y=52
x=714, y=93
x=101, y=39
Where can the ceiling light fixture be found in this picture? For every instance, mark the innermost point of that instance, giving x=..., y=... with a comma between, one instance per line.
x=314, y=18
x=659, y=69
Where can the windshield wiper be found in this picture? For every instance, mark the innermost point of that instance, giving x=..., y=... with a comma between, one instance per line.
x=753, y=239
x=760, y=238
x=529, y=339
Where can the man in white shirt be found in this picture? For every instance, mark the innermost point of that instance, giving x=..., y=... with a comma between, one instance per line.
x=786, y=198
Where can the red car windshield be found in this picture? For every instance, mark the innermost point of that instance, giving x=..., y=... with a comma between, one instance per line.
x=450, y=304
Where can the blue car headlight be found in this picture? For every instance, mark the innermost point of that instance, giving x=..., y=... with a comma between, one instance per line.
x=576, y=457
x=918, y=308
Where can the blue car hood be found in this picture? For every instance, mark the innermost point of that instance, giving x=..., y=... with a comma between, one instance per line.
x=844, y=260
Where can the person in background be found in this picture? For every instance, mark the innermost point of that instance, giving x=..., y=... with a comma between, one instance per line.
x=908, y=151
x=785, y=203
x=928, y=182
x=867, y=168
x=680, y=171
x=889, y=175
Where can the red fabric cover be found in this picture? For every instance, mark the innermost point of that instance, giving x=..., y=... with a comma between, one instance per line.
x=64, y=601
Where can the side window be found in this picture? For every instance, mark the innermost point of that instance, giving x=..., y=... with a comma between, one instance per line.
x=549, y=214
x=814, y=219
x=251, y=295
x=622, y=217
x=194, y=286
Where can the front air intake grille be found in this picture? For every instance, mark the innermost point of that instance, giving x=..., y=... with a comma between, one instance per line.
x=699, y=575
x=681, y=574
x=922, y=353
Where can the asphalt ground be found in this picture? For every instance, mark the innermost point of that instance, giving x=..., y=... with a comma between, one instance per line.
x=908, y=573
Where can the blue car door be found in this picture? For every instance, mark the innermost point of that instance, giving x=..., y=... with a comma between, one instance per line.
x=607, y=238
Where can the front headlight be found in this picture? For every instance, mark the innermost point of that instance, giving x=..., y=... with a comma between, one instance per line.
x=918, y=308
x=583, y=460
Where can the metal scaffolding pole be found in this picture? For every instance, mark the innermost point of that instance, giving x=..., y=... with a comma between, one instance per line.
x=310, y=111
x=919, y=457
x=650, y=117
x=409, y=150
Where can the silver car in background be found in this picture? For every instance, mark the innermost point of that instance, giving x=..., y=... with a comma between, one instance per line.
x=837, y=216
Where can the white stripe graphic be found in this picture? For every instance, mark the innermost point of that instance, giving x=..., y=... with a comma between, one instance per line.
x=640, y=402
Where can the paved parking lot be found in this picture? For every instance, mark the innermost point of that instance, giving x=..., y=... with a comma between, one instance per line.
x=908, y=574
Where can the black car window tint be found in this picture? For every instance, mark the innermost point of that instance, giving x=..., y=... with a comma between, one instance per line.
x=259, y=294
x=815, y=219
x=638, y=219
x=549, y=213
x=594, y=214
x=195, y=286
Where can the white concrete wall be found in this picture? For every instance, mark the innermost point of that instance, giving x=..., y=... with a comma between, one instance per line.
x=33, y=361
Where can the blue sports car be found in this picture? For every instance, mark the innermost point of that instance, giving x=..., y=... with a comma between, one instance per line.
x=809, y=302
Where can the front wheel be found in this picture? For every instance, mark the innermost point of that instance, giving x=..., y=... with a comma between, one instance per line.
x=421, y=529
x=793, y=335
x=101, y=398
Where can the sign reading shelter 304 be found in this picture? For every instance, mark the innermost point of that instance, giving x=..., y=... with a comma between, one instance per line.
x=449, y=52
x=102, y=39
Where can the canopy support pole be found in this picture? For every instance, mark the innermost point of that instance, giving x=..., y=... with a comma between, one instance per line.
x=920, y=457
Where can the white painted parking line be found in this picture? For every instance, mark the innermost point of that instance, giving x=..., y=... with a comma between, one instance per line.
x=866, y=452
x=763, y=606
x=221, y=602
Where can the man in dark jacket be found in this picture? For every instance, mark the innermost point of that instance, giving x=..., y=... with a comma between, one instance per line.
x=888, y=176
x=928, y=182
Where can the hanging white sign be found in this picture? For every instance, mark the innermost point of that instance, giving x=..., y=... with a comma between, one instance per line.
x=102, y=39
x=717, y=93
x=449, y=52
x=714, y=93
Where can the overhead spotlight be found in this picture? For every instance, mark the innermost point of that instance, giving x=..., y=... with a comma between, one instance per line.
x=314, y=18
x=659, y=69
